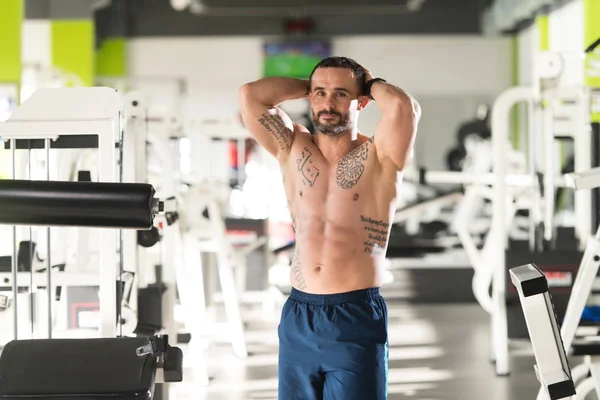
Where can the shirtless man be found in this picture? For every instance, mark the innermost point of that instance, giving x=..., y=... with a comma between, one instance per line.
x=342, y=189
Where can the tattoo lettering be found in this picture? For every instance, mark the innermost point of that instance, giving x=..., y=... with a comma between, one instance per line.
x=310, y=172
x=351, y=167
x=377, y=233
x=274, y=124
x=297, y=271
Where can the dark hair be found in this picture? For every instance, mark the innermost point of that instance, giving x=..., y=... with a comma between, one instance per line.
x=343, y=62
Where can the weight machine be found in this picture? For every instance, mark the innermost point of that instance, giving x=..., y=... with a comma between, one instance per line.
x=552, y=368
x=49, y=114
x=70, y=114
x=587, y=345
x=555, y=111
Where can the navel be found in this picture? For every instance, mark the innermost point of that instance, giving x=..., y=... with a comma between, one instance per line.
x=355, y=197
x=301, y=193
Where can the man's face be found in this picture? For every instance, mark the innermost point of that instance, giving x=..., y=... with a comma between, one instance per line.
x=333, y=100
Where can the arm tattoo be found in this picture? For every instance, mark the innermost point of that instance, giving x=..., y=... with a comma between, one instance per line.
x=377, y=235
x=310, y=172
x=297, y=271
x=351, y=167
x=274, y=124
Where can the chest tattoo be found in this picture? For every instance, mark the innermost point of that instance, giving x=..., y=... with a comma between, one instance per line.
x=351, y=167
x=307, y=167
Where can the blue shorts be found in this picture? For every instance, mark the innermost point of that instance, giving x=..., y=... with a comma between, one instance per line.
x=333, y=347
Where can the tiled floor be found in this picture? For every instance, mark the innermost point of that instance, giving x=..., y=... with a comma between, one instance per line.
x=436, y=352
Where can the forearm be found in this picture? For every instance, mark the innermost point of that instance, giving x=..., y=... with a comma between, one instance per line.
x=275, y=90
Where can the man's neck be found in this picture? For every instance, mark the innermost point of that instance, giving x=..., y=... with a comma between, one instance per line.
x=334, y=148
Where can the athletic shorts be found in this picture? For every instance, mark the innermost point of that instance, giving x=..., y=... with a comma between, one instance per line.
x=333, y=347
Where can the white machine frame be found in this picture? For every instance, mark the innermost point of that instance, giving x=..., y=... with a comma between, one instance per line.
x=493, y=255
x=552, y=368
x=582, y=288
x=543, y=130
x=48, y=114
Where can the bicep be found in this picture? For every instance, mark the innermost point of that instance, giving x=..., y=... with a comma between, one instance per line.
x=270, y=126
x=395, y=136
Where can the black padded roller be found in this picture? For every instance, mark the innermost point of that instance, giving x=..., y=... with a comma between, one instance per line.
x=86, y=204
x=90, y=369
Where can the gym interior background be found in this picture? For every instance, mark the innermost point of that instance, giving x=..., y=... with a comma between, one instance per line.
x=180, y=63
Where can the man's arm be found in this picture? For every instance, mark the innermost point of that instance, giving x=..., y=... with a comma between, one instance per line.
x=269, y=125
x=396, y=131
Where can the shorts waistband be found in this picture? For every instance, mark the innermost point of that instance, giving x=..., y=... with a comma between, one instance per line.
x=336, y=298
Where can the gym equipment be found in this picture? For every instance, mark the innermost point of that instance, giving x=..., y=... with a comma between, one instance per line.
x=70, y=366
x=132, y=146
x=134, y=162
x=53, y=113
x=36, y=196
x=559, y=263
x=403, y=244
x=554, y=112
x=575, y=104
x=90, y=204
x=532, y=287
x=582, y=288
x=455, y=158
x=148, y=238
x=552, y=368
x=584, y=180
x=91, y=369
x=432, y=222
x=209, y=235
x=178, y=273
x=478, y=127
x=497, y=254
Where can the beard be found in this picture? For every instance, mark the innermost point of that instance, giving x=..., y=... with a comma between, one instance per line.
x=333, y=128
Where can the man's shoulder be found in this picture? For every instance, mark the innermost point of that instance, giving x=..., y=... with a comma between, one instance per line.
x=302, y=137
x=364, y=138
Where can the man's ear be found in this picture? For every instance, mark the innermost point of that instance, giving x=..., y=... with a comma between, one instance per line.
x=363, y=102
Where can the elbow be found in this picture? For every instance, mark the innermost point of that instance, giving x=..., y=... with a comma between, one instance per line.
x=416, y=109
x=245, y=92
x=250, y=93
x=404, y=162
x=408, y=160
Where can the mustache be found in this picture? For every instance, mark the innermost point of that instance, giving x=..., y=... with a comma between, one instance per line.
x=329, y=112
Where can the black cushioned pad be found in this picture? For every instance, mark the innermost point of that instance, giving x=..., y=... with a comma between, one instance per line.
x=83, y=369
x=90, y=204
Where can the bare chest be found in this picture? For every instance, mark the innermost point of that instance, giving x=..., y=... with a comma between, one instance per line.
x=312, y=178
